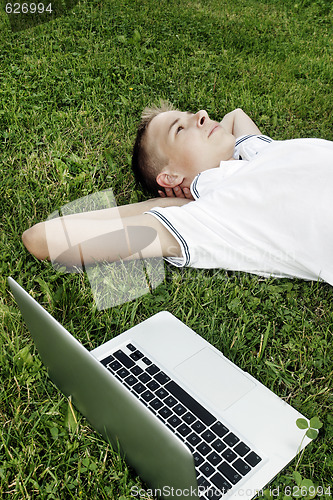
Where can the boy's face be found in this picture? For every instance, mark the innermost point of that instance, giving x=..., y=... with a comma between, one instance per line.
x=191, y=142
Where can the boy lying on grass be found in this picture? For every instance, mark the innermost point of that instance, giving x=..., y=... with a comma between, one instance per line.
x=260, y=206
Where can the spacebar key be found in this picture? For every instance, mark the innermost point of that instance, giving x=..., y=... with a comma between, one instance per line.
x=190, y=403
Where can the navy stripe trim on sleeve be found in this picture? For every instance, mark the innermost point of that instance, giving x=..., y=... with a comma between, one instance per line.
x=265, y=138
x=194, y=187
x=178, y=236
x=242, y=139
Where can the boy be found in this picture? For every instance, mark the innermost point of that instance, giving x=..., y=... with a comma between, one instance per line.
x=261, y=206
x=168, y=139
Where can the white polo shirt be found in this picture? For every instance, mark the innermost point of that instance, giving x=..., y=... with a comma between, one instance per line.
x=269, y=213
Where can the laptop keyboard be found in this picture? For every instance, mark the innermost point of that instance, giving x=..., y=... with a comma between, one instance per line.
x=221, y=458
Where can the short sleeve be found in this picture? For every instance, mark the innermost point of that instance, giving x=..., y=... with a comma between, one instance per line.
x=248, y=146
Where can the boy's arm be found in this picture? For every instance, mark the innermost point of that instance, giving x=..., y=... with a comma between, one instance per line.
x=127, y=210
x=103, y=235
x=239, y=123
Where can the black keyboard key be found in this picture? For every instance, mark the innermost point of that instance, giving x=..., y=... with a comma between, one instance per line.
x=179, y=409
x=131, y=347
x=131, y=380
x=198, y=460
x=156, y=404
x=165, y=412
x=153, y=385
x=193, y=439
x=231, y=439
x=204, y=448
x=161, y=377
x=229, y=473
x=124, y=359
x=208, y=436
x=189, y=418
x=203, y=483
x=184, y=430
x=220, y=429
x=242, y=467
x=193, y=405
x=161, y=393
x=152, y=369
x=136, y=370
x=146, y=361
x=114, y=366
x=211, y=493
x=242, y=449
x=136, y=355
x=229, y=455
x=218, y=445
x=214, y=458
x=144, y=377
x=107, y=360
x=138, y=388
x=198, y=427
x=253, y=459
x=170, y=401
x=174, y=421
x=147, y=396
x=214, y=494
x=206, y=469
x=221, y=483
x=123, y=373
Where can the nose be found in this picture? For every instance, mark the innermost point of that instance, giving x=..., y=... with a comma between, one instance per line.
x=201, y=116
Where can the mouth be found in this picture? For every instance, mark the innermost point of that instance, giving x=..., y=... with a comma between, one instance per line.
x=213, y=129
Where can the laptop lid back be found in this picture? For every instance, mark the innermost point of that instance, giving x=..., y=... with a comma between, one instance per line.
x=158, y=456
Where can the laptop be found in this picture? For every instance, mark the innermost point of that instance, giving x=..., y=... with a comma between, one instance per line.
x=189, y=421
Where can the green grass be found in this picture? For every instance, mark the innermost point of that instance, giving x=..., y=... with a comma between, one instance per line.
x=71, y=94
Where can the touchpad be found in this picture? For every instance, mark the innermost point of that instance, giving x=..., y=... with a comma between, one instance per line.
x=215, y=378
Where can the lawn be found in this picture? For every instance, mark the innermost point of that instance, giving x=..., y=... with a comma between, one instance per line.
x=70, y=98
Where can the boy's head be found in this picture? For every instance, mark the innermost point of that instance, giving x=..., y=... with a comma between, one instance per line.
x=172, y=147
x=146, y=163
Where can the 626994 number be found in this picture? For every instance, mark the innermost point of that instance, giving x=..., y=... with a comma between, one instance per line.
x=28, y=8
x=302, y=491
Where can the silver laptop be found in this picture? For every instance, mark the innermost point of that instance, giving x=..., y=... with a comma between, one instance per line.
x=190, y=422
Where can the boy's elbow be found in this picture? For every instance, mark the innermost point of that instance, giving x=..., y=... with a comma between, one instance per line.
x=34, y=240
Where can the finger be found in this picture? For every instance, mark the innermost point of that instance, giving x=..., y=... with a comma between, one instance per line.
x=169, y=192
x=178, y=192
x=162, y=194
x=188, y=194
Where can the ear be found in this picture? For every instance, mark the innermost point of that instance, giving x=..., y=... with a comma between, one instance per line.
x=169, y=180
